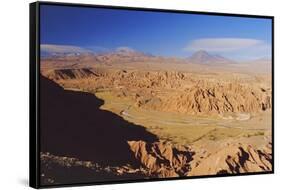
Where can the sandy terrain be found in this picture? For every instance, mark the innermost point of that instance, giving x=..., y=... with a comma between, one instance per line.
x=174, y=117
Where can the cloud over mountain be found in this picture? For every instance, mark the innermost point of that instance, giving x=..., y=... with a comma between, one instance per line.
x=238, y=48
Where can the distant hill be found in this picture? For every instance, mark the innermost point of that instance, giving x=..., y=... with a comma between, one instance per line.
x=262, y=65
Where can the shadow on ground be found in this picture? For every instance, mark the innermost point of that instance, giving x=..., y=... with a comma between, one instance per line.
x=71, y=124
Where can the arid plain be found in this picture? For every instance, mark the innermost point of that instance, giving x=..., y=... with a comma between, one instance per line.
x=129, y=115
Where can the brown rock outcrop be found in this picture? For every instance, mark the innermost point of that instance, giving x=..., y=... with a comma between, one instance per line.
x=234, y=159
x=163, y=158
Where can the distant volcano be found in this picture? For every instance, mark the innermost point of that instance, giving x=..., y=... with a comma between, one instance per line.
x=204, y=57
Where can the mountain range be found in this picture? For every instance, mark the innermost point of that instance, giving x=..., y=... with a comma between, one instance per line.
x=130, y=55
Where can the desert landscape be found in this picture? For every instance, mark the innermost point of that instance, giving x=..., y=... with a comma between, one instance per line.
x=139, y=95
x=126, y=114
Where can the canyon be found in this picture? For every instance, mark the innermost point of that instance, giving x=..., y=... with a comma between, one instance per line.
x=170, y=117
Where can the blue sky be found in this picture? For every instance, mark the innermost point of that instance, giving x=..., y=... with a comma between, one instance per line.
x=158, y=33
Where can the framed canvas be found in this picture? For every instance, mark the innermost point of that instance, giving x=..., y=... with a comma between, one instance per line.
x=121, y=94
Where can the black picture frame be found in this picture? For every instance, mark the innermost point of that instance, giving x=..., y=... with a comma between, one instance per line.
x=34, y=93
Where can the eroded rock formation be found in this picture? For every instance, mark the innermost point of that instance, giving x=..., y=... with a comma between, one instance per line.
x=217, y=99
x=234, y=159
x=163, y=158
x=170, y=91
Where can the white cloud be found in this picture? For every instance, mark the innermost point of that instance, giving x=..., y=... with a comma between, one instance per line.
x=51, y=48
x=238, y=48
x=222, y=44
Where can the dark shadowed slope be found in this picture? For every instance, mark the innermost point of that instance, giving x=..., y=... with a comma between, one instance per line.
x=72, y=125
